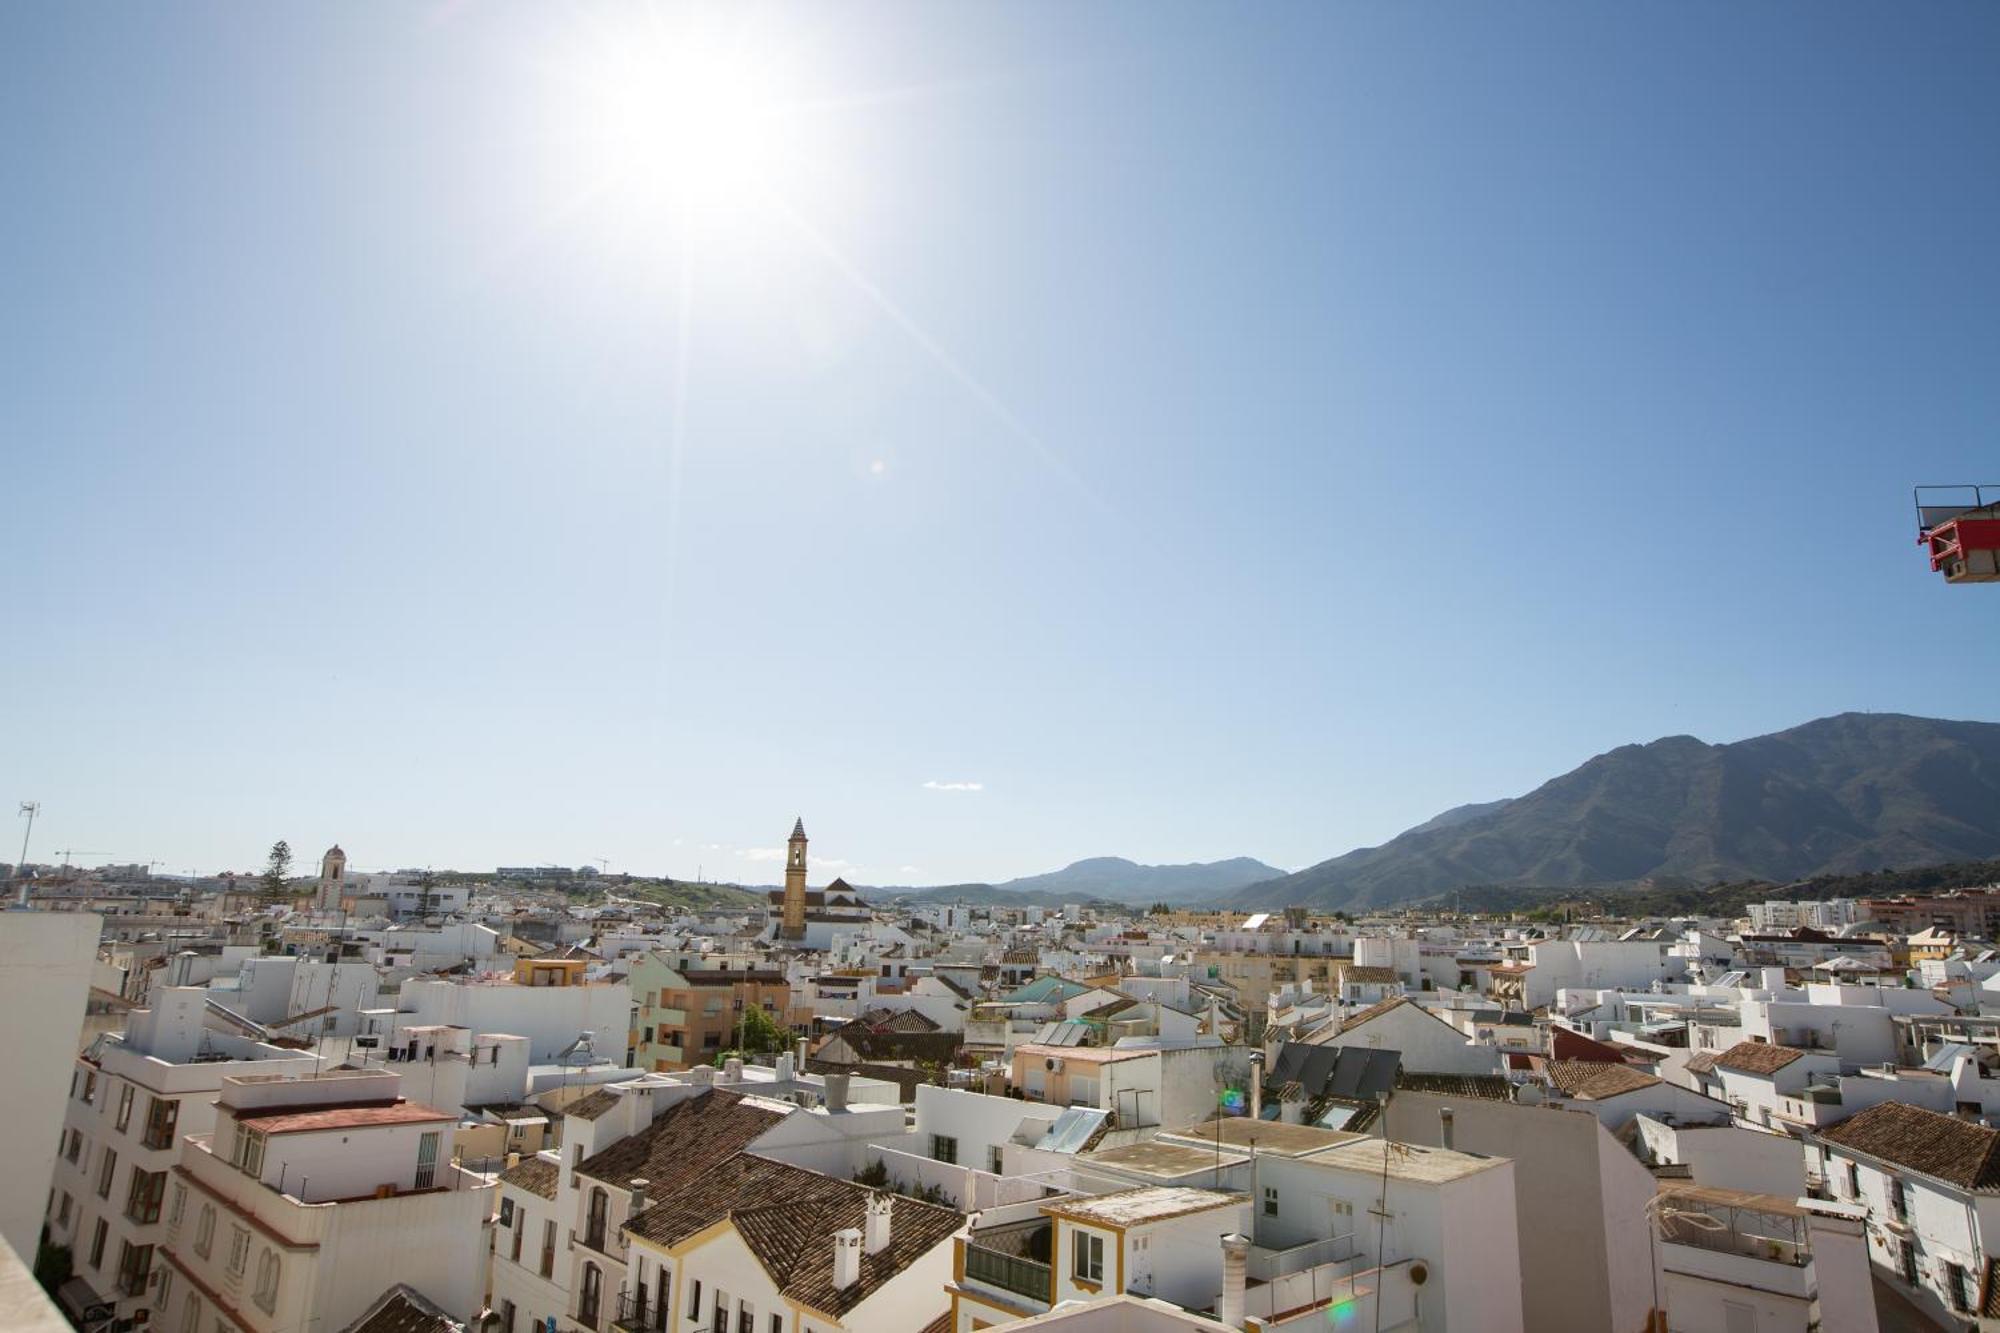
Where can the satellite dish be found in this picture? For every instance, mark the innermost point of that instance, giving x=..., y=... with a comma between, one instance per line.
x=1420, y=1273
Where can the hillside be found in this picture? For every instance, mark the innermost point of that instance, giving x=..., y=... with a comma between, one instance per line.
x=1110, y=879
x=1837, y=796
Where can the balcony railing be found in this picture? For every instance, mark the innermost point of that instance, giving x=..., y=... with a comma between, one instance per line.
x=1023, y=1277
x=640, y=1314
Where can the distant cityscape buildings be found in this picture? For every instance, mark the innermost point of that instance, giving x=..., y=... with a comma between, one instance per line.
x=428, y=1103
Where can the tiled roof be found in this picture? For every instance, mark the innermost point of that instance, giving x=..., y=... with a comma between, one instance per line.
x=1366, y=976
x=592, y=1105
x=1952, y=1150
x=404, y=1310
x=1565, y=1044
x=1594, y=1080
x=1989, y=1290
x=787, y=1215
x=1757, y=1057
x=294, y=1120
x=1701, y=1064
x=1373, y=1012
x=533, y=1174
x=682, y=1142
x=1490, y=1086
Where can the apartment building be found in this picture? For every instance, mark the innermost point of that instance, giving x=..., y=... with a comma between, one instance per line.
x=552, y=1004
x=690, y=1009
x=133, y=1097
x=311, y=1197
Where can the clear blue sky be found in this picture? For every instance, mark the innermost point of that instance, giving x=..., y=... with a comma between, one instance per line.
x=1212, y=429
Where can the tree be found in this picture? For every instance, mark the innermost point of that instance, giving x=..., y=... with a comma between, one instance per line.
x=277, y=870
x=759, y=1033
x=426, y=892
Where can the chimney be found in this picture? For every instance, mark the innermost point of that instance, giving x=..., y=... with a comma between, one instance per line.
x=1256, y=1085
x=846, y=1258
x=639, y=1200
x=513, y=1160
x=836, y=1092
x=732, y=1070
x=799, y=1053
x=1444, y=1129
x=785, y=1068
x=875, y=1234
x=1235, y=1252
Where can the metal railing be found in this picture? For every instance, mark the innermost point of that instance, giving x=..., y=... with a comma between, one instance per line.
x=1023, y=1277
x=640, y=1313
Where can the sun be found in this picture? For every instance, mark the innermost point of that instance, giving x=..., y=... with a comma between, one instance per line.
x=680, y=114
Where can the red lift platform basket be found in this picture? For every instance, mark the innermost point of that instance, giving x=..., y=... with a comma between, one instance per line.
x=1961, y=527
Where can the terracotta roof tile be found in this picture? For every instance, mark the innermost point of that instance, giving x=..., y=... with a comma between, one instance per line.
x=534, y=1174
x=682, y=1142
x=1952, y=1150
x=787, y=1215
x=1757, y=1057
x=296, y=1120
x=1594, y=1080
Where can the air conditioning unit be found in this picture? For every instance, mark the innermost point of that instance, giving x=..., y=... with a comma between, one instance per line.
x=1054, y=1064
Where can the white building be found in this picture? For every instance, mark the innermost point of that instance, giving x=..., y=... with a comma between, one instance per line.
x=45, y=967
x=311, y=1198
x=132, y=1099
x=1928, y=1188
x=552, y=1018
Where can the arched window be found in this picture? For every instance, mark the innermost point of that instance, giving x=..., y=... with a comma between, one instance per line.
x=267, y=1281
x=593, y=1292
x=594, y=1227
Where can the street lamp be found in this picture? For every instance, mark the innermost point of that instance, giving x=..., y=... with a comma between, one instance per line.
x=29, y=809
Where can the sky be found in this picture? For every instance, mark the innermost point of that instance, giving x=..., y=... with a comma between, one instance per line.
x=489, y=434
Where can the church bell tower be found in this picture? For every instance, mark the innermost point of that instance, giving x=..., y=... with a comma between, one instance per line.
x=794, y=925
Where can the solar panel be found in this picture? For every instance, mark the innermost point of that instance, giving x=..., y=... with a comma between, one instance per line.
x=1072, y=1129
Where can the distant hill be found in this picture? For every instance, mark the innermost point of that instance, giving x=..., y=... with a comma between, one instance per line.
x=1837, y=796
x=1106, y=879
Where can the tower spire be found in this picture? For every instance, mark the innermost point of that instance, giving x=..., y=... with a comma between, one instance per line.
x=794, y=923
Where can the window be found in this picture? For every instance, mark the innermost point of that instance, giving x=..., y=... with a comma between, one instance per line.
x=746, y=1318
x=1270, y=1201
x=239, y=1249
x=204, y=1231
x=191, y=1314
x=180, y=1206
x=506, y=1212
x=549, y=1248
x=62, y=1210
x=250, y=1150
x=506, y=1317
x=124, y=1107
x=162, y=1115
x=1087, y=1261
x=74, y=1146
x=1899, y=1199
x=97, y=1243
x=944, y=1148
x=166, y=1291
x=1954, y=1285
x=142, y=1200
x=694, y=1299
x=994, y=1159
x=1853, y=1181
x=266, y=1294
x=90, y=1087
x=107, y=1167
x=427, y=1158
x=135, y=1264
x=777, y=1323
x=593, y=1292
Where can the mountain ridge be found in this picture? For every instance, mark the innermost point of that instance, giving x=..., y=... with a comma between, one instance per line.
x=1841, y=794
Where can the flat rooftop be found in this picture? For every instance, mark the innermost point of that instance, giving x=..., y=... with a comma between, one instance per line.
x=1271, y=1138
x=1154, y=1203
x=1164, y=1159
x=1407, y=1161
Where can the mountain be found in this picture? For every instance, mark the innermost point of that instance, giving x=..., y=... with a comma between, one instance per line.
x=1126, y=881
x=1105, y=879
x=1840, y=795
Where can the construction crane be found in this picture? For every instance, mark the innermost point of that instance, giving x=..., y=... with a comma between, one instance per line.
x=1960, y=529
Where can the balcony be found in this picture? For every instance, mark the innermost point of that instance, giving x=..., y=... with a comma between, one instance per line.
x=640, y=1313
x=1266, y=1264
x=1009, y=1272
